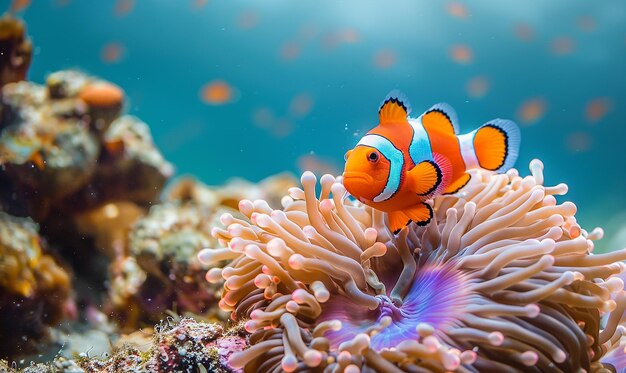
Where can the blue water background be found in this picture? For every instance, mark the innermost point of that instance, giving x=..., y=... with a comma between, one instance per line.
x=172, y=48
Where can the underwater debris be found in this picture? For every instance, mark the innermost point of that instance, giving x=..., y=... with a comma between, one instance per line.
x=15, y=50
x=34, y=288
x=177, y=346
x=503, y=279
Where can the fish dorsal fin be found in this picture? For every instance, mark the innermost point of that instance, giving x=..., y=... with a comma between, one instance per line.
x=441, y=117
x=394, y=109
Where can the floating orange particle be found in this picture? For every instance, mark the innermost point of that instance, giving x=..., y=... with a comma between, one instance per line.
x=586, y=23
x=290, y=51
x=112, y=52
x=477, y=87
x=597, y=108
x=199, y=4
x=531, y=110
x=349, y=36
x=301, y=105
x=457, y=9
x=263, y=117
x=19, y=5
x=578, y=141
x=317, y=165
x=461, y=54
x=248, y=19
x=524, y=32
x=123, y=7
x=217, y=92
x=384, y=58
x=345, y=36
x=562, y=45
x=307, y=32
x=282, y=127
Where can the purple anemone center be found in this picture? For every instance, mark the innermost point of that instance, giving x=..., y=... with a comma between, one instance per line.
x=433, y=298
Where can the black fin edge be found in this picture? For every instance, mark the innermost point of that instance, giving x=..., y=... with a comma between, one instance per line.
x=394, y=100
x=461, y=187
x=439, y=179
x=506, y=147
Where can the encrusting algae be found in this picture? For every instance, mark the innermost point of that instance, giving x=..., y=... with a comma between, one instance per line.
x=503, y=279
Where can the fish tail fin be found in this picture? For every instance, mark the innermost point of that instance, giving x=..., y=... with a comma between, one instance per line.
x=494, y=146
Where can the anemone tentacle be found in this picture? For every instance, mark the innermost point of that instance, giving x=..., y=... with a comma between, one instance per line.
x=503, y=279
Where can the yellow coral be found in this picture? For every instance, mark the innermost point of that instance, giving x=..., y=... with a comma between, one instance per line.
x=24, y=267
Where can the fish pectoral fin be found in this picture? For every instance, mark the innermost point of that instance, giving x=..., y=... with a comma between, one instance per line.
x=456, y=185
x=424, y=178
x=442, y=118
x=421, y=214
x=394, y=109
x=397, y=221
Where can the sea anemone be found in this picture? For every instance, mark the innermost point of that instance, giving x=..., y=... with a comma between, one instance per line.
x=503, y=279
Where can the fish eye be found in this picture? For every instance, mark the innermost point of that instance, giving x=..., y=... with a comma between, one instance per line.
x=373, y=157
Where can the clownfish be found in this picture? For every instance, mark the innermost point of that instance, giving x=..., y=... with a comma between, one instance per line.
x=401, y=163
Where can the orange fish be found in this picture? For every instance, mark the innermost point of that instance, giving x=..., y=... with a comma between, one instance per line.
x=531, y=110
x=217, y=92
x=401, y=163
x=112, y=52
x=19, y=5
x=461, y=54
x=384, y=59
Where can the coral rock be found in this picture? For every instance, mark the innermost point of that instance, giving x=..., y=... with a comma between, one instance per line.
x=130, y=167
x=163, y=247
x=34, y=289
x=15, y=50
x=182, y=346
x=104, y=101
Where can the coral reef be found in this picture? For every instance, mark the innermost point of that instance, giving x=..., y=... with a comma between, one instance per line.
x=15, y=50
x=159, y=270
x=34, y=288
x=163, y=246
x=182, y=346
x=504, y=279
x=270, y=189
x=130, y=168
x=70, y=162
x=64, y=147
